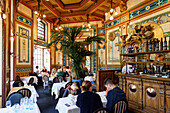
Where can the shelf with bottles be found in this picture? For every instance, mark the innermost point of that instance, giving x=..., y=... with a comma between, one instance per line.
x=149, y=46
x=149, y=52
x=161, y=62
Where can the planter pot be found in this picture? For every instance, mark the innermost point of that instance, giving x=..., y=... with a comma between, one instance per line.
x=80, y=81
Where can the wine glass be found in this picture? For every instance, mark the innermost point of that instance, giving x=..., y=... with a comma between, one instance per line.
x=8, y=104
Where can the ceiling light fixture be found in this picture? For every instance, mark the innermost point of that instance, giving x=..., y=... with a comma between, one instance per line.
x=58, y=26
x=38, y=12
x=111, y=12
x=87, y=24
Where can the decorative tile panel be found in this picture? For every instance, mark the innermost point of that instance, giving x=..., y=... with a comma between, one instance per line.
x=23, y=69
x=23, y=20
x=112, y=23
x=124, y=18
x=101, y=31
x=148, y=7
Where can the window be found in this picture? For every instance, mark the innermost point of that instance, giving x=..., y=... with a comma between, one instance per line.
x=41, y=30
x=38, y=57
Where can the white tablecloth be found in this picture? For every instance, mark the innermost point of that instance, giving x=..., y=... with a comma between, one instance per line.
x=56, y=88
x=42, y=74
x=62, y=108
x=34, y=93
x=89, y=78
x=27, y=78
x=11, y=110
x=11, y=83
x=51, y=78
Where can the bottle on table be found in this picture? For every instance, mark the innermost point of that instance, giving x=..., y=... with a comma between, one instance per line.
x=147, y=46
x=169, y=42
x=157, y=45
x=161, y=44
x=150, y=45
x=165, y=44
x=153, y=44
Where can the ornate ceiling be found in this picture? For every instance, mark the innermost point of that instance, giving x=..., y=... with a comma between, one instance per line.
x=71, y=11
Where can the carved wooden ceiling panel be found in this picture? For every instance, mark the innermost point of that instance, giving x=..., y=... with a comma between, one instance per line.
x=71, y=11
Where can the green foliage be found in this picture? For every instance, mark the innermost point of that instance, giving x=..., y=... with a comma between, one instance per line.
x=75, y=50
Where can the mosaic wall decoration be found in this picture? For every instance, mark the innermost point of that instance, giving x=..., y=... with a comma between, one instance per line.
x=148, y=7
x=52, y=55
x=113, y=46
x=101, y=31
x=101, y=51
x=112, y=23
x=159, y=19
x=124, y=18
x=23, y=20
x=23, y=41
x=23, y=69
x=59, y=57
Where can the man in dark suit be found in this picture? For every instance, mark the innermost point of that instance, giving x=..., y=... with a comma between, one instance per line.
x=113, y=92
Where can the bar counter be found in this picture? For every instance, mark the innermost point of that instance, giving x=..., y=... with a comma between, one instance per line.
x=146, y=93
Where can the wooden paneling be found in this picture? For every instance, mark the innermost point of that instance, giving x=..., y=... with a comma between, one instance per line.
x=102, y=75
x=167, y=95
x=134, y=98
x=140, y=101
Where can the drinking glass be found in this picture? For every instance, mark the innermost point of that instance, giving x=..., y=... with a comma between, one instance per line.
x=8, y=104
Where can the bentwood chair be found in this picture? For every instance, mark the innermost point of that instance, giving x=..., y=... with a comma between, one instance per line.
x=102, y=110
x=25, y=91
x=120, y=106
x=45, y=80
x=15, y=98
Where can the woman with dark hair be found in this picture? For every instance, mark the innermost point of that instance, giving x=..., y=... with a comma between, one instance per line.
x=87, y=100
x=73, y=89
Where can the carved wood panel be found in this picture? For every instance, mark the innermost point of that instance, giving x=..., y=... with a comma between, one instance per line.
x=153, y=104
x=134, y=96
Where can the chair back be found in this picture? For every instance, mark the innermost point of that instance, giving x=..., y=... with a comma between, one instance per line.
x=61, y=92
x=45, y=78
x=68, y=84
x=55, y=80
x=15, y=98
x=31, y=81
x=60, y=78
x=25, y=91
x=120, y=106
x=102, y=110
x=18, y=84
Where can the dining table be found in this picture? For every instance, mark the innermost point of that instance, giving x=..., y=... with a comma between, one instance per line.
x=27, y=78
x=21, y=109
x=34, y=93
x=56, y=88
x=68, y=104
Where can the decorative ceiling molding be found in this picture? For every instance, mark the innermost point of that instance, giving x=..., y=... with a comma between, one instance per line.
x=96, y=6
x=50, y=8
x=70, y=6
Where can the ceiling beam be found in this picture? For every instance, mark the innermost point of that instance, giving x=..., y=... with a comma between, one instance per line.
x=70, y=6
x=102, y=17
x=74, y=19
x=73, y=14
x=50, y=8
x=94, y=7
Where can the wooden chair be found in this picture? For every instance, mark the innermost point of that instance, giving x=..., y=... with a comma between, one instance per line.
x=102, y=110
x=25, y=91
x=15, y=98
x=45, y=80
x=120, y=106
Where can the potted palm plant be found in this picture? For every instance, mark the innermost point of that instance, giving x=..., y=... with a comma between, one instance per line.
x=74, y=49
